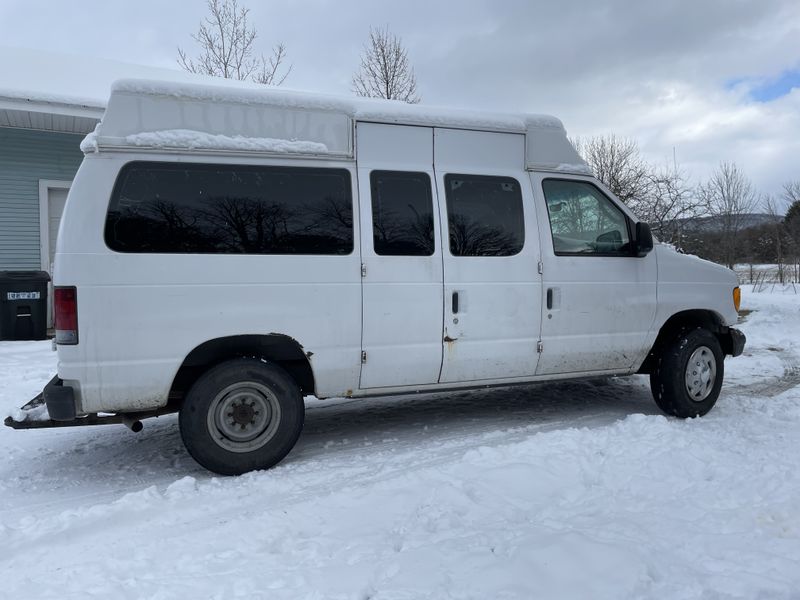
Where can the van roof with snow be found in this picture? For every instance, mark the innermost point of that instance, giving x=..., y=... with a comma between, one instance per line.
x=164, y=116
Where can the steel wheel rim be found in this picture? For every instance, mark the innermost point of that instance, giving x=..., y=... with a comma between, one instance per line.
x=701, y=373
x=244, y=416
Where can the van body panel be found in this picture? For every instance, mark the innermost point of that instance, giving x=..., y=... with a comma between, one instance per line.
x=480, y=384
x=141, y=314
x=686, y=282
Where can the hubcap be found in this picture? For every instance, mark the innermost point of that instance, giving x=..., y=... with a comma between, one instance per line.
x=244, y=416
x=701, y=373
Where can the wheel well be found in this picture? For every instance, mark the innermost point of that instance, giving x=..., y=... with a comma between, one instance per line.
x=687, y=319
x=279, y=349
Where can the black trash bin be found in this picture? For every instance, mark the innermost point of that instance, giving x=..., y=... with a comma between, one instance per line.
x=23, y=305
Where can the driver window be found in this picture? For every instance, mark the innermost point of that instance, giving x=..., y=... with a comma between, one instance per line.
x=583, y=220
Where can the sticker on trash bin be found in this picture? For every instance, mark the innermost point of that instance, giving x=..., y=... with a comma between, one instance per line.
x=23, y=295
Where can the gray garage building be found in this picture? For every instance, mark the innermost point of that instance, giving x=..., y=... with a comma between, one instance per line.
x=39, y=156
x=48, y=103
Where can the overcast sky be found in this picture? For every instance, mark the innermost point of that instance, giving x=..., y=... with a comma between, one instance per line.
x=712, y=79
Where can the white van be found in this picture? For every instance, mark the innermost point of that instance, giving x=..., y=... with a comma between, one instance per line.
x=224, y=252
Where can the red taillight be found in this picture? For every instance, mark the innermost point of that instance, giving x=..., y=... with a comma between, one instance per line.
x=65, y=305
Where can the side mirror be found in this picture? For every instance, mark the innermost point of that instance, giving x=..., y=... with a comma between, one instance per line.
x=643, y=243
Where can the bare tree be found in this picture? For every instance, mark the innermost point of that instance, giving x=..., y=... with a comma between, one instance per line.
x=269, y=71
x=668, y=201
x=227, y=48
x=791, y=192
x=791, y=195
x=729, y=196
x=618, y=164
x=661, y=196
x=770, y=206
x=385, y=70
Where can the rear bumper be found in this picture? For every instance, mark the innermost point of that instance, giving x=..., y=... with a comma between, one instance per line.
x=60, y=400
x=54, y=406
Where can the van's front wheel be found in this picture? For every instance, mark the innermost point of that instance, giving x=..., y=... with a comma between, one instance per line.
x=688, y=373
x=241, y=415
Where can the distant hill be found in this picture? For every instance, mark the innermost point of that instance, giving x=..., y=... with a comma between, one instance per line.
x=714, y=224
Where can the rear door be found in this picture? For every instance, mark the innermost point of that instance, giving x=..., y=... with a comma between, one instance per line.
x=492, y=287
x=401, y=256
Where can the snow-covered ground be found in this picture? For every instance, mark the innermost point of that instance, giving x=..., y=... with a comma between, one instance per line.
x=574, y=490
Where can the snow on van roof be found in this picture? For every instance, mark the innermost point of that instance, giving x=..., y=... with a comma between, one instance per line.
x=183, y=138
x=362, y=109
x=250, y=118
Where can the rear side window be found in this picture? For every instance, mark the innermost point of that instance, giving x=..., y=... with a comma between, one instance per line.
x=402, y=213
x=227, y=209
x=484, y=215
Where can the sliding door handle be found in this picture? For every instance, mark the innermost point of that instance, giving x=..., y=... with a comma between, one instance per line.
x=455, y=303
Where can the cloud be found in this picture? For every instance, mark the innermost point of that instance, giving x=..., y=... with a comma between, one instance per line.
x=712, y=79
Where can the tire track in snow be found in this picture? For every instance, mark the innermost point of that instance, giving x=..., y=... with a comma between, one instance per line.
x=363, y=443
x=774, y=386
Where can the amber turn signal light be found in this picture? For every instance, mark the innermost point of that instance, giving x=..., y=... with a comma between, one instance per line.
x=737, y=298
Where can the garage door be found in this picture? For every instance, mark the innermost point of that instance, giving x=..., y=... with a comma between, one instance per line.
x=56, y=198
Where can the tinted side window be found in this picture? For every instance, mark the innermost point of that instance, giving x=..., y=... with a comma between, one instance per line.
x=224, y=209
x=484, y=215
x=583, y=220
x=402, y=213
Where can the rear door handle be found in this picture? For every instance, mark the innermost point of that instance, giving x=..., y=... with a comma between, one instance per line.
x=553, y=298
x=455, y=303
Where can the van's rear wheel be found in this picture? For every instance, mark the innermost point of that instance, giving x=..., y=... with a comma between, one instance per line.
x=688, y=373
x=241, y=415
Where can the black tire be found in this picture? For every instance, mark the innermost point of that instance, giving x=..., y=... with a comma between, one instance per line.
x=241, y=415
x=670, y=379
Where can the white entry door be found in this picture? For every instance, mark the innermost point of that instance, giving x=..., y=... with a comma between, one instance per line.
x=492, y=287
x=401, y=256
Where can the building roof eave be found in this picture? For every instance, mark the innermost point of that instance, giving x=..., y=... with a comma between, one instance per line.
x=51, y=107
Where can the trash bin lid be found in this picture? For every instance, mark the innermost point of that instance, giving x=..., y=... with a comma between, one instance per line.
x=22, y=276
